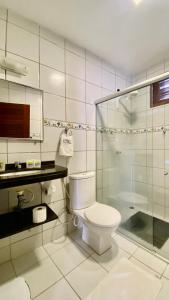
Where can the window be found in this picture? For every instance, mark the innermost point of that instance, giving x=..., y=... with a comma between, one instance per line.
x=159, y=94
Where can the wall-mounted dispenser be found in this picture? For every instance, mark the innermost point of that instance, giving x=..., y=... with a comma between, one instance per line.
x=14, y=66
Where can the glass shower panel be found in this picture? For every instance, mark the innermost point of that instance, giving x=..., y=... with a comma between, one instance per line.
x=124, y=162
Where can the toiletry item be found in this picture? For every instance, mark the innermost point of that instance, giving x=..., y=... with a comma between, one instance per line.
x=29, y=164
x=2, y=166
x=66, y=144
x=18, y=165
x=39, y=214
x=37, y=163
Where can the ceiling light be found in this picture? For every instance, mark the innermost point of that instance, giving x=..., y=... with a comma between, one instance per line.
x=137, y=2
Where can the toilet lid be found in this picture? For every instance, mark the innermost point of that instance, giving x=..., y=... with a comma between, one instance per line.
x=102, y=215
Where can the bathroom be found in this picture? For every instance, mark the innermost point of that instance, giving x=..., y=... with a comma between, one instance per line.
x=94, y=88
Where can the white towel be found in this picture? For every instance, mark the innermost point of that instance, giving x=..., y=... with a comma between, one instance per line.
x=16, y=289
x=66, y=144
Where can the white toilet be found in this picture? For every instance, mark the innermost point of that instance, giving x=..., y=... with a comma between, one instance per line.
x=99, y=221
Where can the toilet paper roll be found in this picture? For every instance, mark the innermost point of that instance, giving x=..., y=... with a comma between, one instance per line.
x=39, y=214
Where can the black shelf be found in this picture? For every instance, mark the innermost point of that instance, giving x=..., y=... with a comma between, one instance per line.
x=18, y=221
x=47, y=172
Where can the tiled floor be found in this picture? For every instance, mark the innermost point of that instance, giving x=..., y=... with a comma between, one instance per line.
x=68, y=269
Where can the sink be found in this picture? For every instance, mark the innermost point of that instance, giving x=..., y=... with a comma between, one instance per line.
x=19, y=173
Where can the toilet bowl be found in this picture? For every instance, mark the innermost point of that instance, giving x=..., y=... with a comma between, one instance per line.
x=98, y=220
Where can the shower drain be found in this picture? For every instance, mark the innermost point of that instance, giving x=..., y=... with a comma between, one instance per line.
x=131, y=207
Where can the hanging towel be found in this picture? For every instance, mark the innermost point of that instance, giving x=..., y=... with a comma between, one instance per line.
x=15, y=289
x=66, y=143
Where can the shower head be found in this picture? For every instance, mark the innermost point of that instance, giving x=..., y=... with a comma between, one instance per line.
x=133, y=94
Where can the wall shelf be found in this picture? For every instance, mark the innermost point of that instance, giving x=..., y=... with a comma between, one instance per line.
x=18, y=221
x=47, y=172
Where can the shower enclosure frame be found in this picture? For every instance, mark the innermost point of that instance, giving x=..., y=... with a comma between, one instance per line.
x=133, y=88
x=130, y=89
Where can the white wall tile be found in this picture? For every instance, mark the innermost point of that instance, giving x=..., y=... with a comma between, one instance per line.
x=108, y=80
x=26, y=245
x=2, y=34
x=120, y=83
x=91, y=140
x=77, y=163
x=23, y=22
x=52, y=81
x=93, y=93
x=158, y=158
x=79, y=137
x=27, y=43
x=75, y=111
x=91, y=160
x=18, y=146
x=22, y=157
x=93, y=73
x=94, y=59
x=91, y=114
x=2, y=72
x=4, y=158
x=75, y=88
x=74, y=49
x=3, y=13
x=51, y=55
x=54, y=107
x=51, y=139
x=3, y=146
x=75, y=65
x=158, y=116
x=52, y=37
x=4, y=254
x=32, y=79
x=25, y=234
x=158, y=140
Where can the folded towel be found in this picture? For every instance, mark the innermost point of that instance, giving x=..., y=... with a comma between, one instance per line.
x=66, y=144
x=15, y=289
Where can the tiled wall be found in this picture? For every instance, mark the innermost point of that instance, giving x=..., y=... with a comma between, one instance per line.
x=72, y=78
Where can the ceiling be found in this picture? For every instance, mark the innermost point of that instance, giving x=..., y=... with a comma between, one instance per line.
x=131, y=37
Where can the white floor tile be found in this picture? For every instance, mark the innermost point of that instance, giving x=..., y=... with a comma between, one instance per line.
x=57, y=244
x=125, y=244
x=144, y=267
x=69, y=257
x=28, y=260
x=61, y=291
x=86, y=277
x=166, y=273
x=6, y=272
x=110, y=257
x=42, y=276
x=150, y=260
x=164, y=292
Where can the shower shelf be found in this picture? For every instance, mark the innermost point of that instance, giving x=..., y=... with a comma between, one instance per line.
x=18, y=221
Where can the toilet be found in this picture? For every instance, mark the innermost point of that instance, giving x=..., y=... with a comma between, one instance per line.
x=98, y=220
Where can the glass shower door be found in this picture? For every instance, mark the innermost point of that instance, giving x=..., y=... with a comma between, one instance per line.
x=124, y=163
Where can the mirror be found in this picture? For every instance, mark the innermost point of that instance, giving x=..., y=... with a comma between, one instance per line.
x=21, y=114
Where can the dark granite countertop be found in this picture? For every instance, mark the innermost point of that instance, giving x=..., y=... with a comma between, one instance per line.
x=48, y=171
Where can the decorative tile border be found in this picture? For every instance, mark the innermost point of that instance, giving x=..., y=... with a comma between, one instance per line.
x=69, y=125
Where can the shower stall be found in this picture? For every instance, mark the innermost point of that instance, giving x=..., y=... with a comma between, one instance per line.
x=133, y=163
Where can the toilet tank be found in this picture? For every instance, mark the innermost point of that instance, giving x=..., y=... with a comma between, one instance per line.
x=82, y=190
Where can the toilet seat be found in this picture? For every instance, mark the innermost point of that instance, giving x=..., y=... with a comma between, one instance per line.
x=102, y=215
